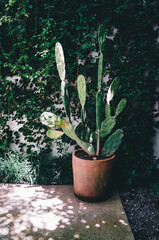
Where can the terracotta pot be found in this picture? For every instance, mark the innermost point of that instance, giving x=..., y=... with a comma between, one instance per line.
x=92, y=177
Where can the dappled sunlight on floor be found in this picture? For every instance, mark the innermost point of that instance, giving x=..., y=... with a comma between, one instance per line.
x=53, y=212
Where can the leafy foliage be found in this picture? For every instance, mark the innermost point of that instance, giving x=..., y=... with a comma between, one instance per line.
x=15, y=168
x=52, y=170
x=35, y=169
x=30, y=30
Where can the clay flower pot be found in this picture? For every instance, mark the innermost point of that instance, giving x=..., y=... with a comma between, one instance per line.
x=92, y=178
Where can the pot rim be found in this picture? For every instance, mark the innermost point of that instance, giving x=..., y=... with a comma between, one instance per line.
x=98, y=160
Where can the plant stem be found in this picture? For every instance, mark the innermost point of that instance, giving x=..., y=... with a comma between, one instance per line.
x=98, y=142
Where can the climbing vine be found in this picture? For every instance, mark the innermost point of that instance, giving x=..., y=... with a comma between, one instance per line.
x=30, y=84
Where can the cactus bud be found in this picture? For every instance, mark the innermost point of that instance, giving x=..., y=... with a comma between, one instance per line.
x=112, y=89
x=51, y=120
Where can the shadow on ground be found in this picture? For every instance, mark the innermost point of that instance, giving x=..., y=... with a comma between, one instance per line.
x=53, y=213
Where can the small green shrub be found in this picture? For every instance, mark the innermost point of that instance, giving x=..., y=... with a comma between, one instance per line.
x=35, y=168
x=16, y=168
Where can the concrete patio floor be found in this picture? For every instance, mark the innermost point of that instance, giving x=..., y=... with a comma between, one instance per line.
x=53, y=213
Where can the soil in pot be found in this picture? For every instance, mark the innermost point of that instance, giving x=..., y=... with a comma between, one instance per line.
x=84, y=155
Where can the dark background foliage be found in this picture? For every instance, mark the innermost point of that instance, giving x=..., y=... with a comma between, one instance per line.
x=30, y=30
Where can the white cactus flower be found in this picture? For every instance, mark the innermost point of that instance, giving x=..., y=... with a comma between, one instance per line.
x=60, y=60
x=49, y=119
x=112, y=89
x=110, y=95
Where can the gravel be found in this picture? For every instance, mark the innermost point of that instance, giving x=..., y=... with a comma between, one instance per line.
x=142, y=209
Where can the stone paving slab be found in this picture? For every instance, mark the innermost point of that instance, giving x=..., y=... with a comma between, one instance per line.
x=54, y=213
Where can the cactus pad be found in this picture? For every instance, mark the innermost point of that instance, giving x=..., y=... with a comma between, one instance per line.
x=101, y=37
x=84, y=133
x=107, y=110
x=100, y=71
x=53, y=134
x=65, y=98
x=120, y=107
x=107, y=126
x=112, y=143
x=60, y=60
x=81, y=87
x=87, y=147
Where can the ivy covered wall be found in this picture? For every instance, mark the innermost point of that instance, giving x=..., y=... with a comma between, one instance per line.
x=30, y=30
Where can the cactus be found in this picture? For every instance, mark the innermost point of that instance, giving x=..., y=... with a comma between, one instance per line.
x=60, y=62
x=98, y=109
x=107, y=126
x=112, y=89
x=53, y=134
x=81, y=133
x=112, y=143
x=120, y=107
x=81, y=87
x=85, y=133
x=51, y=120
x=107, y=110
x=87, y=147
x=101, y=39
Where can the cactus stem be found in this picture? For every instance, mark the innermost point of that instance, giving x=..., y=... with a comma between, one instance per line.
x=83, y=117
x=98, y=142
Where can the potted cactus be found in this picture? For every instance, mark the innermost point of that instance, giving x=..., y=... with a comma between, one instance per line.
x=93, y=162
